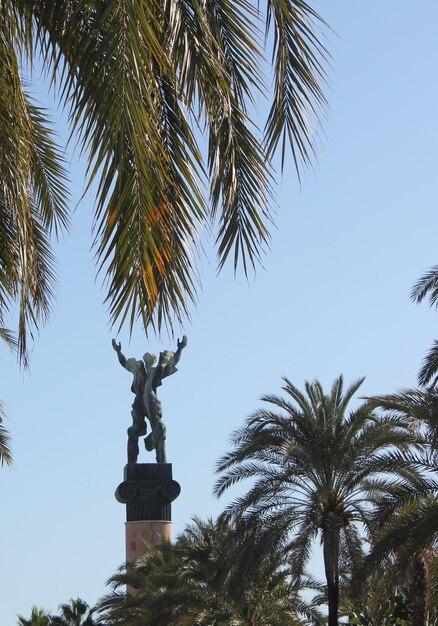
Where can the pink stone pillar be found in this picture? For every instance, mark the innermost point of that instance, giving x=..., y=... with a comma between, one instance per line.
x=139, y=533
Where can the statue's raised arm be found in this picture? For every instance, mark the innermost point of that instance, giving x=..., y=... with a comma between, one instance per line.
x=167, y=362
x=180, y=347
x=118, y=348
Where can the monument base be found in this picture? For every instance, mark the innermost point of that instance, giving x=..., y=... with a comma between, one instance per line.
x=147, y=491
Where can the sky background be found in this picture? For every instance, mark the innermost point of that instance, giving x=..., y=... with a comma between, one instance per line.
x=333, y=297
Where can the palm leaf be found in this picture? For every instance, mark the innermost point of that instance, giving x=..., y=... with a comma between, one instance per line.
x=5, y=448
x=426, y=285
x=32, y=200
x=428, y=374
x=298, y=58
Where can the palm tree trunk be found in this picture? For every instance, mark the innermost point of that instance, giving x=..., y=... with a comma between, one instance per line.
x=330, y=539
x=420, y=586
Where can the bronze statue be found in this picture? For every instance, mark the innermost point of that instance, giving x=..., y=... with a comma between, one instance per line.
x=147, y=378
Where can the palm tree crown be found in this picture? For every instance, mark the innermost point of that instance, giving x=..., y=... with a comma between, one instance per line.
x=135, y=78
x=76, y=613
x=315, y=469
x=38, y=617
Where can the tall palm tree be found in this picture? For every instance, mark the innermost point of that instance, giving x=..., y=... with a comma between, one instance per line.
x=314, y=467
x=212, y=574
x=135, y=78
x=406, y=524
x=76, y=613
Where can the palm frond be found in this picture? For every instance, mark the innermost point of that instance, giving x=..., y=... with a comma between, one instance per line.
x=417, y=406
x=299, y=58
x=408, y=532
x=426, y=285
x=33, y=196
x=428, y=374
x=5, y=439
x=116, y=79
x=8, y=337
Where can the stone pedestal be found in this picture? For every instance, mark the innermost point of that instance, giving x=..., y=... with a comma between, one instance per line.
x=147, y=491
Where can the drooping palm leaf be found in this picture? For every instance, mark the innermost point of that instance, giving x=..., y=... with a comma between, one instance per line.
x=32, y=196
x=428, y=374
x=298, y=58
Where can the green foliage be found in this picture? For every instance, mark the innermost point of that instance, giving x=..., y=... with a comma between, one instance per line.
x=214, y=573
x=404, y=528
x=33, y=194
x=76, y=613
x=406, y=521
x=135, y=78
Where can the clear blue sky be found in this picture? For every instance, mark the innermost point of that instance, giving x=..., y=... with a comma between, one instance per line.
x=333, y=297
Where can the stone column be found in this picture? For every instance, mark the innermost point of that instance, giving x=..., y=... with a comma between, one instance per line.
x=147, y=491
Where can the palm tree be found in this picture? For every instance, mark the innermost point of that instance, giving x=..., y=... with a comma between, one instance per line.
x=314, y=469
x=76, y=613
x=405, y=525
x=135, y=78
x=246, y=565
x=213, y=573
x=38, y=617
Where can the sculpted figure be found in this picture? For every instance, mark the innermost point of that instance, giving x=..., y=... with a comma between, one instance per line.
x=146, y=378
